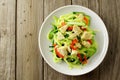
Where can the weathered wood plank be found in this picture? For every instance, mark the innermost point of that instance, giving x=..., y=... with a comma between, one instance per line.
x=80, y=2
x=7, y=39
x=116, y=73
x=29, y=19
x=93, y=5
x=49, y=6
x=109, y=11
x=30, y=16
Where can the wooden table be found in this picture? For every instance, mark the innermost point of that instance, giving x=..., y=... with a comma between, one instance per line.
x=20, y=22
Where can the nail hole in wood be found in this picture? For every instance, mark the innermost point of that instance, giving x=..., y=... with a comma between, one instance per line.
x=28, y=59
x=21, y=23
x=24, y=11
x=24, y=20
x=30, y=6
x=3, y=4
x=5, y=32
x=25, y=36
x=30, y=34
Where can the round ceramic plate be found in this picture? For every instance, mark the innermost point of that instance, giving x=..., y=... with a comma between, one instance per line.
x=101, y=38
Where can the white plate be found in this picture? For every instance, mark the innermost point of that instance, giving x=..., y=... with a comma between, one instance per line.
x=101, y=38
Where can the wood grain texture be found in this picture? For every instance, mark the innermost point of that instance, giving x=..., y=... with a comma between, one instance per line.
x=29, y=19
x=49, y=6
x=117, y=58
x=93, y=5
x=20, y=22
x=80, y=2
x=109, y=69
x=7, y=40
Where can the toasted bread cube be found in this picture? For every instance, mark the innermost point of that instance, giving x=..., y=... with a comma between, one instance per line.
x=81, y=16
x=74, y=52
x=77, y=30
x=86, y=44
x=69, y=49
x=86, y=35
x=63, y=50
x=60, y=36
x=78, y=45
x=71, y=36
x=63, y=29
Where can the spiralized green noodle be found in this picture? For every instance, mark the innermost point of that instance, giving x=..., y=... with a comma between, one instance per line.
x=72, y=39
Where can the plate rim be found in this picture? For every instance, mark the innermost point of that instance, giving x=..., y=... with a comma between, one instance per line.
x=106, y=34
